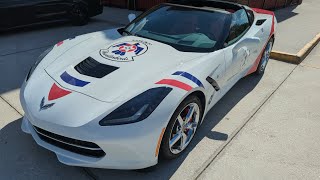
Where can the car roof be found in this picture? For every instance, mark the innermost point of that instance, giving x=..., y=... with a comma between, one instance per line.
x=208, y=4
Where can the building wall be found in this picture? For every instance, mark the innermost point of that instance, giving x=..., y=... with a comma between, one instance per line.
x=146, y=4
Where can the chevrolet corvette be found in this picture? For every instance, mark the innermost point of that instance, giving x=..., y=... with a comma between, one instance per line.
x=123, y=98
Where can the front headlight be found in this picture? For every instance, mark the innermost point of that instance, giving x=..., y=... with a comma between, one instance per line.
x=46, y=52
x=138, y=108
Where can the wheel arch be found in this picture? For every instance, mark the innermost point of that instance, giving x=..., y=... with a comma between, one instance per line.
x=202, y=98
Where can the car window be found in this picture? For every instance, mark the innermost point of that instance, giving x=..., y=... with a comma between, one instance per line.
x=185, y=29
x=239, y=26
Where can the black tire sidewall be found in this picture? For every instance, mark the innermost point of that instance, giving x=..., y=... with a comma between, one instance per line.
x=165, y=152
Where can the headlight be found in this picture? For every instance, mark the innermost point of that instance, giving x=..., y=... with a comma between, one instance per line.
x=138, y=108
x=46, y=52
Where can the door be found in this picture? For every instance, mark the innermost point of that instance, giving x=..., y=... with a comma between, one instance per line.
x=52, y=10
x=237, y=50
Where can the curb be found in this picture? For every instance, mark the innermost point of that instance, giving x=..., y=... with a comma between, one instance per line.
x=296, y=58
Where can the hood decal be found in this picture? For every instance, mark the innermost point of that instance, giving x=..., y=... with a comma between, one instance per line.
x=56, y=92
x=175, y=83
x=125, y=51
x=72, y=80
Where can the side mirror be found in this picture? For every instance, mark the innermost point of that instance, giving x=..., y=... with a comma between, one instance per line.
x=131, y=17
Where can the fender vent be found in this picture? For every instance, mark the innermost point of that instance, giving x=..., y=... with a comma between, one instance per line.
x=260, y=22
x=93, y=68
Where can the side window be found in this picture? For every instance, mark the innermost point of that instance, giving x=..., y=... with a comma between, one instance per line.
x=239, y=26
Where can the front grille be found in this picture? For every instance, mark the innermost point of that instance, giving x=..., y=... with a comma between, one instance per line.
x=77, y=146
x=93, y=68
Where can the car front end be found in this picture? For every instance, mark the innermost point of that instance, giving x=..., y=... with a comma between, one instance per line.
x=73, y=129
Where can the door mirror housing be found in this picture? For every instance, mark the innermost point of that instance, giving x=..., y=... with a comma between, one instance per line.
x=131, y=17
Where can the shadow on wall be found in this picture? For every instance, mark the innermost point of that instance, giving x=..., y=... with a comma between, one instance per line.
x=19, y=153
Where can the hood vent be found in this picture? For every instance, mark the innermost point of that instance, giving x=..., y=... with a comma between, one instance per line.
x=93, y=68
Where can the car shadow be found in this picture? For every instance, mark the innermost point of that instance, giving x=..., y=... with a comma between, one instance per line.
x=22, y=158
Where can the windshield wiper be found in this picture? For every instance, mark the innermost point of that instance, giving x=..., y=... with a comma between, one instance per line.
x=127, y=32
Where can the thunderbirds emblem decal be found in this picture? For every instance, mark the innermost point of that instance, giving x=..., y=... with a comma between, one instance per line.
x=124, y=52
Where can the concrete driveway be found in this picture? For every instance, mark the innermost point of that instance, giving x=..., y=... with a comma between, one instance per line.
x=21, y=158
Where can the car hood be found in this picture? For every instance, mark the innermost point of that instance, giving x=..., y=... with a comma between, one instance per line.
x=134, y=64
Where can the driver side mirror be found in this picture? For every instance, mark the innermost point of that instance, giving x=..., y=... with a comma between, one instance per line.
x=131, y=17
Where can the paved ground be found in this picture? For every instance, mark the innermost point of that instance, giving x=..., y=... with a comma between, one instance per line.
x=21, y=158
x=297, y=26
x=282, y=139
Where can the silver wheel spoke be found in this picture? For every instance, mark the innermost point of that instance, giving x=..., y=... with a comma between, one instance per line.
x=190, y=114
x=180, y=120
x=175, y=139
x=190, y=134
x=183, y=140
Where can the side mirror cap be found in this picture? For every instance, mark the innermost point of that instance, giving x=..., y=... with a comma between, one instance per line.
x=131, y=17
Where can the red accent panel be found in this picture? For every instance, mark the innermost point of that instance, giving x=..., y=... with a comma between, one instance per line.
x=256, y=63
x=59, y=43
x=262, y=11
x=175, y=83
x=56, y=92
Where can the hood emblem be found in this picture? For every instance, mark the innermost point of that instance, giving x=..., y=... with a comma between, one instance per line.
x=45, y=106
x=124, y=52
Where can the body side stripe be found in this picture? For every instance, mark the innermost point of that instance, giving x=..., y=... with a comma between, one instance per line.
x=189, y=76
x=175, y=83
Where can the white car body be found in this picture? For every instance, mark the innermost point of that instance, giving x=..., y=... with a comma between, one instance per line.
x=65, y=108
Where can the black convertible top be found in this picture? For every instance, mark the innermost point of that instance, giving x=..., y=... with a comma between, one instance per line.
x=209, y=3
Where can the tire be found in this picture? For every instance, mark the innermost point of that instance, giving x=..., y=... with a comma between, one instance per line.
x=167, y=152
x=79, y=15
x=265, y=58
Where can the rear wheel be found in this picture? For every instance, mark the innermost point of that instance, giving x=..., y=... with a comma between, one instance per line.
x=79, y=15
x=181, y=128
x=265, y=57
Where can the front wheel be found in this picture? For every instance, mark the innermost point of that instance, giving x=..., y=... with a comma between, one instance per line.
x=181, y=128
x=265, y=57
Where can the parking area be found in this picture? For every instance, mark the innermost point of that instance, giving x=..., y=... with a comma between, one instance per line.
x=21, y=158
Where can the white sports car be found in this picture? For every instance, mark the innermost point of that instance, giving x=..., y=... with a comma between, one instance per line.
x=124, y=97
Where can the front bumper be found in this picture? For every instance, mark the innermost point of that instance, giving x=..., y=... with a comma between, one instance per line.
x=130, y=146
x=118, y=156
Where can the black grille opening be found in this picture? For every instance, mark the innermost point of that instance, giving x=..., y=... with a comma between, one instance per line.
x=77, y=146
x=93, y=68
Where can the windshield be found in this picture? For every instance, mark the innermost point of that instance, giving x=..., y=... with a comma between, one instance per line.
x=186, y=29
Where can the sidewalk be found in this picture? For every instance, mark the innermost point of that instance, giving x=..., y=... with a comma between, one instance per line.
x=282, y=139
